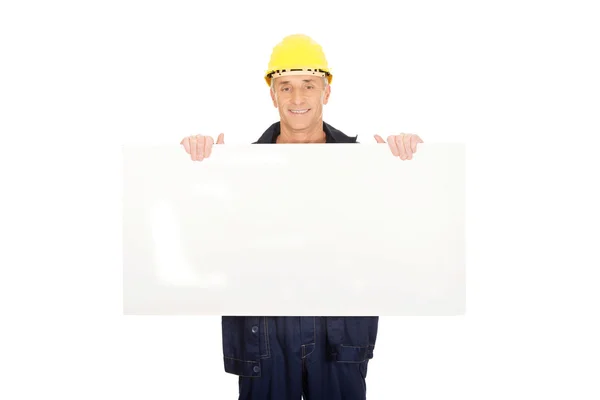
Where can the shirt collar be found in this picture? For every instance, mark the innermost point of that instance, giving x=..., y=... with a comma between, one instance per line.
x=333, y=135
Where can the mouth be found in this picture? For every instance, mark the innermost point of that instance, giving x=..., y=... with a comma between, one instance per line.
x=299, y=112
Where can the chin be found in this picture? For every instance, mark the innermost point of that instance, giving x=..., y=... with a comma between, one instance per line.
x=297, y=125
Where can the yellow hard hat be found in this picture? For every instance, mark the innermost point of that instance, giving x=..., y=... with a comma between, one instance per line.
x=297, y=55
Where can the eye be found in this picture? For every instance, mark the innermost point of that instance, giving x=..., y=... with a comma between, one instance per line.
x=310, y=87
x=285, y=89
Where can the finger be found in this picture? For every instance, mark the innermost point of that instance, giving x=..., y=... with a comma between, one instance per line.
x=186, y=144
x=401, y=149
x=379, y=139
x=200, y=147
x=406, y=143
x=208, y=144
x=413, y=143
x=407, y=146
x=193, y=147
x=221, y=139
x=392, y=143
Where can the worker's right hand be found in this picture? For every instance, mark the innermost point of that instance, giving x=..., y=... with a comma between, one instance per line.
x=199, y=147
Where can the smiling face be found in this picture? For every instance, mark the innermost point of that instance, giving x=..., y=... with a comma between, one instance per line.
x=300, y=100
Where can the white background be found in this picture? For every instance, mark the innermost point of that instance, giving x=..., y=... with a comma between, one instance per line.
x=517, y=81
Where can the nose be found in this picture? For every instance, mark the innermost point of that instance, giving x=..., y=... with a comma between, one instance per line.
x=297, y=97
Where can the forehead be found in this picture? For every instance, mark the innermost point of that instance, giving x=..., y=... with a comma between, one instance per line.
x=297, y=79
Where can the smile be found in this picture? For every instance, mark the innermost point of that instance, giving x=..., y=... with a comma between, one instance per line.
x=300, y=111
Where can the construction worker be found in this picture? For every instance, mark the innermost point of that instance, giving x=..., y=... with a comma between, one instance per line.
x=285, y=358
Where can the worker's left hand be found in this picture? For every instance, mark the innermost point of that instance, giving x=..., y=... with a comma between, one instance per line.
x=403, y=145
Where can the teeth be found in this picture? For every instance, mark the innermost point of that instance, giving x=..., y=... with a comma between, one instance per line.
x=299, y=111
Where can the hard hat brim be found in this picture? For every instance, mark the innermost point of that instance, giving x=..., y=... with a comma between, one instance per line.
x=297, y=71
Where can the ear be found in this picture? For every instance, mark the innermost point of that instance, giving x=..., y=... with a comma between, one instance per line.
x=327, y=93
x=273, y=97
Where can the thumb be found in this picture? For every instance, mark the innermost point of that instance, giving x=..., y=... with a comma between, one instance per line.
x=379, y=139
x=221, y=139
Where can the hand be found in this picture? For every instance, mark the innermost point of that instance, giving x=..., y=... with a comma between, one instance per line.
x=403, y=145
x=199, y=146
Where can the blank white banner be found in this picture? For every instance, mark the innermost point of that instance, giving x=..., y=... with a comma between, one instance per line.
x=303, y=229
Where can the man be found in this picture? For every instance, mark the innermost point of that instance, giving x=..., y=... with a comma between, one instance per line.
x=284, y=358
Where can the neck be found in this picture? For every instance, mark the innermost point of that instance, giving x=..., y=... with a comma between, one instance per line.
x=312, y=134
